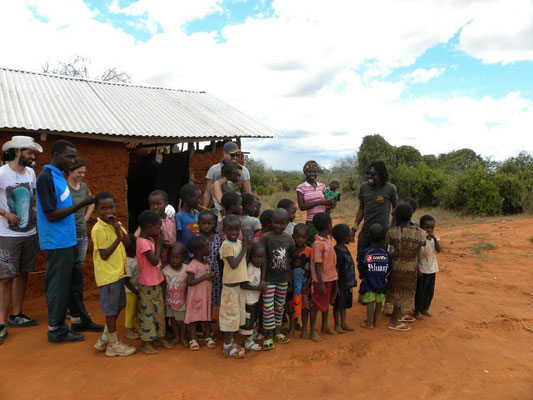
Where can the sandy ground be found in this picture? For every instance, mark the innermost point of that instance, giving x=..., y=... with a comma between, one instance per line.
x=475, y=346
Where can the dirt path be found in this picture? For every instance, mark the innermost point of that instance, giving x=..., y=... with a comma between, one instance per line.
x=476, y=346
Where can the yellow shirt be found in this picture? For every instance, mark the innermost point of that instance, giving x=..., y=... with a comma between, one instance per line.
x=114, y=268
x=230, y=275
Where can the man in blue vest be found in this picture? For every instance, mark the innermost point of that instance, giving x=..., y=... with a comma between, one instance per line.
x=57, y=237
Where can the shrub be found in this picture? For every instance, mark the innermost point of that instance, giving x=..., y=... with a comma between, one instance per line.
x=512, y=190
x=420, y=182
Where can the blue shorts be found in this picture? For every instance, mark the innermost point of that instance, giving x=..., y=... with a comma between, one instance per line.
x=113, y=298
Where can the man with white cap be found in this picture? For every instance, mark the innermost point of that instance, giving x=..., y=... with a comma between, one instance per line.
x=18, y=235
x=231, y=152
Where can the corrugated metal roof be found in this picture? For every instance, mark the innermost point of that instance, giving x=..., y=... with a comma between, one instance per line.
x=44, y=102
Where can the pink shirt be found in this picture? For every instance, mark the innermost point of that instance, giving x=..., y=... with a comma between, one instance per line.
x=148, y=274
x=323, y=252
x=312, y=194
x=168, y=226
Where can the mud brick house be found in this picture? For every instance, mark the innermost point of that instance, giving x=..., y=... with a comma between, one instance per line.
x=134, y=138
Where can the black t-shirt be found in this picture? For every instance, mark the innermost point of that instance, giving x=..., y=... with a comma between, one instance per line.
x=278, y=249
x=345, y=269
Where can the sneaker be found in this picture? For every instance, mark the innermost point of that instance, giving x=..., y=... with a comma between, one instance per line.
x=100, y=344
x=20, y=321
x=90, y=327
x=119, y=349
x=3, y=334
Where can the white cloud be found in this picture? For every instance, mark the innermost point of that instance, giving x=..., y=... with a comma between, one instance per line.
x=421, y=75
x=309, y=69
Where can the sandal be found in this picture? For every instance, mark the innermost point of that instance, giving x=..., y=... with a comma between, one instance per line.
x=193, y=345
x=407, y=318
x=281, y=338
x=210, y=343
x=233, y=351
x=251, y=345
x=400, y=327
x=268, y=344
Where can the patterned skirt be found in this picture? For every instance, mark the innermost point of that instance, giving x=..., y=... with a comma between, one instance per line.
x=151, y=313
x=401, y=288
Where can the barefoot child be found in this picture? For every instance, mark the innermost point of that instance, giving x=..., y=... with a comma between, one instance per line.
x=346, y=281
x=199, y=278
x=131, y=281
x=401, y=285
x=109, y=256
x=250, y=225
x=187, y=218
x=266, y=224
x=290, y=206
x=428, y=268
x=232, y=312
x=275, y=277
x=158, y=201
x=151, y=302
x=301, y=280
x=252, y=291
x=176, y=291
x=373, y=266
x=323, y=273
x=206, y=222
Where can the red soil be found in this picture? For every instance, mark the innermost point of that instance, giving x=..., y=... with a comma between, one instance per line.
x=475, y=346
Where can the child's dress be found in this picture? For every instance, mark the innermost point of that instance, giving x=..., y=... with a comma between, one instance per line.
x=199, y=295
x=301, y=273
x=401, y=284
x=213, y=261
x=176, y=292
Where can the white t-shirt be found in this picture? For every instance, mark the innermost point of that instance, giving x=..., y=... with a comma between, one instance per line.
x=17, y=193
x=427, y=262
x=254, y=278
x=132, y=272
x=215, y=173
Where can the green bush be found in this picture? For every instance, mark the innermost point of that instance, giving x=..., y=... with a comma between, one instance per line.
x=512, y=190
x=287, y=181
x=421, y=183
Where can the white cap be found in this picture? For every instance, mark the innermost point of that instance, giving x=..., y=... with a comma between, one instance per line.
x=22, y=142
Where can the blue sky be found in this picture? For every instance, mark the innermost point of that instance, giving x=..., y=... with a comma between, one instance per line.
x=436, y=75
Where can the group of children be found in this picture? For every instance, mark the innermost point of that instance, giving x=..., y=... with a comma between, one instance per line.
x=261, y=269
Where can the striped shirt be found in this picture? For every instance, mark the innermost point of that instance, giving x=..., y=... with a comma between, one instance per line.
x=312, y=194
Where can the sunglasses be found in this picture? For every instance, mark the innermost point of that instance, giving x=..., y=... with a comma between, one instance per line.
x=371, y=174
x=235, y=155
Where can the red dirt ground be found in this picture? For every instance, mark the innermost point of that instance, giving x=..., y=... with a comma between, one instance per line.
x=476, y=345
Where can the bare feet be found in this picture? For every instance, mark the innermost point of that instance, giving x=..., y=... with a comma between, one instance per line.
x=305, y=334
x=419, y=316
x=346, y=327
x=184, y=343
x=163, y=343
x=290, y=332
x=427, y=313
x=366, y=325
x=147, y=348
x=315, y=337
x=328, y=330
x=338, y=329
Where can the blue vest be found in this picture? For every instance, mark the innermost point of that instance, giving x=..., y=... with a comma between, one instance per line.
x=62, y=233
x=374, y=266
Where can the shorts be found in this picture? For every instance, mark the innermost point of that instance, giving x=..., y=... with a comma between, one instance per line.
x=251, y=318
x=343, y=300
x=17, y=254
x=322, y=301
x=232, y=313
x=370, y=297
x=113, y=298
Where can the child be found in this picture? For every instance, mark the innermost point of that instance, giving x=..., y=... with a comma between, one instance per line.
x=229, y=183
x=232, y=204
x=187, y=217
x=158, y=201
x=323, y=273
x=301, y=280
x=266, y=224
x=290, y=206
x=258, y=208
x=250, y=225
x=275, y=277
x=199, y=292
x=151, y=302
x=428, y=268
x=232, y=312
x=252, y=293
x=332, y=193
x=346, y=277
x=373, y=265
x=401, y=285
x=109, y=256
x=206, y=221
x=131, y=282
x=176, y=291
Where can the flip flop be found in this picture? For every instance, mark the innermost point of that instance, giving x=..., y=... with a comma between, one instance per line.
x=193, y=345
x=268, y=344
x=407, y=318
x=281, y=338
x=210, y=343
x=400, y=327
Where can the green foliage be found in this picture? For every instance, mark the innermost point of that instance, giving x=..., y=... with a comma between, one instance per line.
x=430, y=160
x=374, y=148
x=345, y=169
x=512, y=191
x=287, y=181
x=406, y=155
x=458, y=161
x=265, y=181
x=421, y=183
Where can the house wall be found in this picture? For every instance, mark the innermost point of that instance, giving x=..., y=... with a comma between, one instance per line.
x=107, y=169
